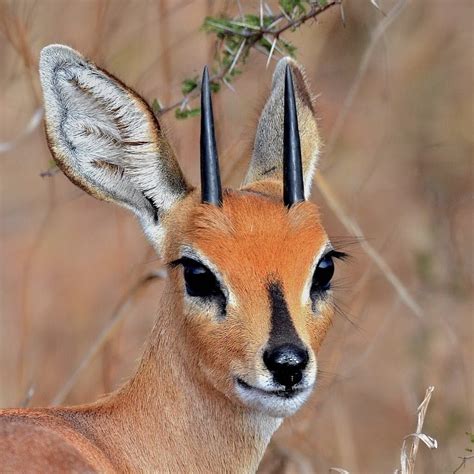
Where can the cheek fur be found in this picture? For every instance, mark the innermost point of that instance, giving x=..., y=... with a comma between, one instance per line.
x=218, y=344
x=228, y=347
x=318, y=326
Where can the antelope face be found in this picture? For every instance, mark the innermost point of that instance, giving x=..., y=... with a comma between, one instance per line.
x=255, y=279
x=251, y=268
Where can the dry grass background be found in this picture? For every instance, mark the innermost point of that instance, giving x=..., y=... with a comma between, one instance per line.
x=399, y=163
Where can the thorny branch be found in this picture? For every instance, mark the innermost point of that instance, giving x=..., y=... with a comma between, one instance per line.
x=265, y=34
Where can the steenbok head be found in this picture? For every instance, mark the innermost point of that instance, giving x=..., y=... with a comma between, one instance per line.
x=249, y=293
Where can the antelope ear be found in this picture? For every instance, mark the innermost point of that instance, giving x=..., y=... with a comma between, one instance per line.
x=267, y=158
x=106, y=139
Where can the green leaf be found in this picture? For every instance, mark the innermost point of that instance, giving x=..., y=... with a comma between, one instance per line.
x=288, y=47
x=194, y=112
x=267, y=45
x=293, y=7
x=215, y=86
x=186, y=113
x=181, y=114
x=156, y=107
x=217, y=25
x=188, y=85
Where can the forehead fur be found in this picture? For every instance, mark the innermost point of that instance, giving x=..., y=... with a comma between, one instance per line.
x=256, y=236
x=248, y=213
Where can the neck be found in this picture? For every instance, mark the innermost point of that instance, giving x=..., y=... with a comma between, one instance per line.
x=179, y=421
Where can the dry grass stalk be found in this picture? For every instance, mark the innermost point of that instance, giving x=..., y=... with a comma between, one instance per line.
x=412, y=441
x=375, y=39
x=117, y=317
x=354, y=228
x=34, y=122
x=28, y=396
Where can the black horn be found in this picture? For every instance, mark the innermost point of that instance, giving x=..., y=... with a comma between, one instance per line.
x=293, y=187
x=210, y=179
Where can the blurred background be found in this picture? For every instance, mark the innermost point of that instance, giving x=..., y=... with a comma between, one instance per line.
x=394, y=98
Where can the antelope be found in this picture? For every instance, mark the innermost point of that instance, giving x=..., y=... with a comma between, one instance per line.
x=248, y=302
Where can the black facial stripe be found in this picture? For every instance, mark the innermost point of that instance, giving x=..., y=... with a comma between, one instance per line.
x=282, y=330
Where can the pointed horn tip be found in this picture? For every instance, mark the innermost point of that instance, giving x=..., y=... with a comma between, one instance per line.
x=205, y=74
x=205, y=89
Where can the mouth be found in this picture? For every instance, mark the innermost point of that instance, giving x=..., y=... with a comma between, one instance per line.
x=286, y=393
x=278, y=403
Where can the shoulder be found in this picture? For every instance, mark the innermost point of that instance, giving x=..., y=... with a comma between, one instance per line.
x=39, y=441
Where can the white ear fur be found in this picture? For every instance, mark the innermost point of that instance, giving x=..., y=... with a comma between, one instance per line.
x=106, y=139
x=267, y=158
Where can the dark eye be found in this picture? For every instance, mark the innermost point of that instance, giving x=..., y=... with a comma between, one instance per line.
x=199, y=280
x=323, y=274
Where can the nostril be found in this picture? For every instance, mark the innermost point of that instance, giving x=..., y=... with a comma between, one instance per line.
x=286, y=362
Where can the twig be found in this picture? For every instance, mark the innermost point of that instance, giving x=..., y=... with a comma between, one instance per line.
x=51, y=171
x=464, y=459
x=408, y=454
x=117, y=316
x=354, y=228
x=313, y=13
x=28, y=266
x=378, y=32
x=31, y=126
x=195, y=92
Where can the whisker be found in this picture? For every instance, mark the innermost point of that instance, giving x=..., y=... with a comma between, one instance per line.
x=341, y=311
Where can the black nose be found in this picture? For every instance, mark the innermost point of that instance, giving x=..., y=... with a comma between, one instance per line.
x=286, y=363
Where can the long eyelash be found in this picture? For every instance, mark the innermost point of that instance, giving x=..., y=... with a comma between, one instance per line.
x=339, y=255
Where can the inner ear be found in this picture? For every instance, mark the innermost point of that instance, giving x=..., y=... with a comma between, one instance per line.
x=120, y=172
x=106, y=139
